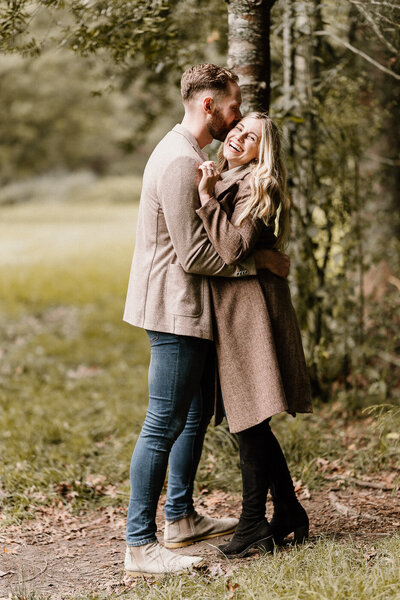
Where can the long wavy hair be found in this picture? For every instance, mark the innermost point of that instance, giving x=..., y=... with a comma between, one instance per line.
x=269, y=199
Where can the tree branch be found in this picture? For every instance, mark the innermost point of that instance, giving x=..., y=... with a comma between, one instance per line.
x=374, y=26
x=389, y=4
x=360, y=53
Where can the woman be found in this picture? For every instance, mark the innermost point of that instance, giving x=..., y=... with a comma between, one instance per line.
x=261, y=361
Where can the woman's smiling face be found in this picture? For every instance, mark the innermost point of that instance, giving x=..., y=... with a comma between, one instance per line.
x=242, y=142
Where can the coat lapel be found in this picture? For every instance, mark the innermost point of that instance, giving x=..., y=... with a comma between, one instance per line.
x=223, y=185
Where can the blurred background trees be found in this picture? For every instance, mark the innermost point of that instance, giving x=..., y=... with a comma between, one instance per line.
x=333, y=86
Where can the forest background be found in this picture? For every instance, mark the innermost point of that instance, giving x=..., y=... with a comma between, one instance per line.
x=86, y=91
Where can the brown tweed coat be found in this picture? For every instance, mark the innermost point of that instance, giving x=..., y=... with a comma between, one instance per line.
x=261, y=362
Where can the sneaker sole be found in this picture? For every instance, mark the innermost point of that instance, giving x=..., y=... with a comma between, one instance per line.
x=141, y=574
x=149, y=575
x=198, y=539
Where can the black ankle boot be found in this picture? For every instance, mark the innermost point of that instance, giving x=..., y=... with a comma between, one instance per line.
x=289, y=517
x=248, y=536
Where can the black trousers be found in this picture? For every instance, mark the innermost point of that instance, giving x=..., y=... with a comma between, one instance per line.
x=264, y=468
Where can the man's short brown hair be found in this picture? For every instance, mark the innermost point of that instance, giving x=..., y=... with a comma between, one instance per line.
x=206, y=77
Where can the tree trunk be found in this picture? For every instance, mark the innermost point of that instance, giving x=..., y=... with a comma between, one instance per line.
x=288, y=54
x=249, y=51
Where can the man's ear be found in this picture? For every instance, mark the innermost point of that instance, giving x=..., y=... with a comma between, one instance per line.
x=208, y=104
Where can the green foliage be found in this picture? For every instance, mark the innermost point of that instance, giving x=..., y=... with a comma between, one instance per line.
x=327, y=224
x=54, y=121
x=331, y=117
x=161, y=32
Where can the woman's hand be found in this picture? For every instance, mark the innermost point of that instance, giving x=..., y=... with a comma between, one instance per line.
x=210, y=176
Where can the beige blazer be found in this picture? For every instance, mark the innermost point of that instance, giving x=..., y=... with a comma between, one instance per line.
x=168, y=287
x=261, y=364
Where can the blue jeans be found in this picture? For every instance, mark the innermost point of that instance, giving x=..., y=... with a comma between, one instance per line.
x=174, y=428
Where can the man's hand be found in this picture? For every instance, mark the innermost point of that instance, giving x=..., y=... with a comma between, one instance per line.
x=276, y=262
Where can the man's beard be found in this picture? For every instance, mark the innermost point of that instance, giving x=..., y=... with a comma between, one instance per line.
x=217, y=126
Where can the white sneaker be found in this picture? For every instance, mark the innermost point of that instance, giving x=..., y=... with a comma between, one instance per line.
x=154, y=559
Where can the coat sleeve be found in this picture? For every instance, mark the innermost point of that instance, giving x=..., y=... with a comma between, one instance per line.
x=195, y=252
x=232, y=242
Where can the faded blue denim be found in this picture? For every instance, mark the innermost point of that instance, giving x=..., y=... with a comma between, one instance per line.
x=174, y=429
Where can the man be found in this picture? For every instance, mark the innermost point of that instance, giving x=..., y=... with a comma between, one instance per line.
x=169, y=296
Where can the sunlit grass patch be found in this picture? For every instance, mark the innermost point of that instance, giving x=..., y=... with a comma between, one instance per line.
x=72, y=187
x=58, y=254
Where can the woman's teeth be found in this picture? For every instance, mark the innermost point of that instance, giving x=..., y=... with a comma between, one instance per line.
x=236, y=148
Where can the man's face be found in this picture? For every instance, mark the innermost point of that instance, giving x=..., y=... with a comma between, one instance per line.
x=226, y=113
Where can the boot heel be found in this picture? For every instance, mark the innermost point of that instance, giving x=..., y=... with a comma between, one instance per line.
x=300, y=534
x=266, y=545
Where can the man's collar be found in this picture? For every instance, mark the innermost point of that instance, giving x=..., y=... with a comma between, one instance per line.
x=179, y=128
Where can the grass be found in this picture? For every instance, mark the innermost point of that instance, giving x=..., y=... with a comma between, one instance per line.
x=324, y=571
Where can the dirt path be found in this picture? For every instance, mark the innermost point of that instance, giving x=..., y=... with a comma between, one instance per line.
x=60, y=555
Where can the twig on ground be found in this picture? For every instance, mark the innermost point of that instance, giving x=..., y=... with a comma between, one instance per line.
x=367, y=515
x=360, y=482
x=342, y=509
x=37, y=574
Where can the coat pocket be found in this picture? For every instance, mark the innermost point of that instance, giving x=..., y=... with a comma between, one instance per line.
x=184, y=292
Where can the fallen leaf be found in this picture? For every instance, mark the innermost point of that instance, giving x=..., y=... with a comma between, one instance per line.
x=10, y=550
x=216, y=570
x=232, y=587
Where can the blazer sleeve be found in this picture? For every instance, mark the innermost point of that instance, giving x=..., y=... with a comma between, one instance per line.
x=232, y=242
x=195, y=252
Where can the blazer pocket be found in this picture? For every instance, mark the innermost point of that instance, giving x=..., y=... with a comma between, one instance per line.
x=184, y=292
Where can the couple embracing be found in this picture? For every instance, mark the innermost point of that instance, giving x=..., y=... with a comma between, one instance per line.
x=208, y=284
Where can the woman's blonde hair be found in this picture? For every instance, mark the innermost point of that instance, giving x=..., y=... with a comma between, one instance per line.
x=269, y=196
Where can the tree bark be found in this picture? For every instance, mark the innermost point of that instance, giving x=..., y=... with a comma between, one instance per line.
x=249, y=50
